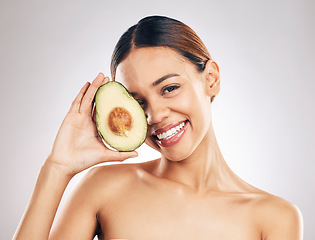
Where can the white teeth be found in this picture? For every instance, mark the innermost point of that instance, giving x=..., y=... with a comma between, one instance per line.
x=170, y=133
x=163, y=135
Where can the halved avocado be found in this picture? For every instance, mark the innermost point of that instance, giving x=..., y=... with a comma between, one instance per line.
x=120, y=120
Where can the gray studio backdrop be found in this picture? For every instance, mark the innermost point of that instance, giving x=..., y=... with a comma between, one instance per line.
x=263, y=118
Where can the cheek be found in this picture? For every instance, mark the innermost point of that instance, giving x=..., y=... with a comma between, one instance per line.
x=151, y=144
x=197, y=106
x=194, y=104
x=148, y=141
x=185, y=103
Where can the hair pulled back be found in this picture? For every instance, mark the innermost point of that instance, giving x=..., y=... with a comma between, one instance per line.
x=160, y=31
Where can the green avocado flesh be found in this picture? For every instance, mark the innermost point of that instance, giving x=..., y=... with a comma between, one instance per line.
x=120, y=120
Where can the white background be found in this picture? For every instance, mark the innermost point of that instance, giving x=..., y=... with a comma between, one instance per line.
x=263, y=118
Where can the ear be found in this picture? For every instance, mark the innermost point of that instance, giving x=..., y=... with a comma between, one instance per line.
x=213, y=80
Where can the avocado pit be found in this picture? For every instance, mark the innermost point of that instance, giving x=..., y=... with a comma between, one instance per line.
x=120, y=121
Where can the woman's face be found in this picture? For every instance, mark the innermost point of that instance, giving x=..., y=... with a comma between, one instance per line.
x=174, y=97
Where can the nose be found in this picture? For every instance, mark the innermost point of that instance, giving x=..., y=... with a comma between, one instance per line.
x=156, y=112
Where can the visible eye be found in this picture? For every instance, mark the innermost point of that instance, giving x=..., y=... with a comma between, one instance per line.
x=169, y=89
x=141, y=102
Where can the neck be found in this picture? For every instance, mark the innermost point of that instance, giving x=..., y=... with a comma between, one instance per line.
x=204, y=170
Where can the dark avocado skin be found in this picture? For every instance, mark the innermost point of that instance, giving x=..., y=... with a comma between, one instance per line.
x=126, y=92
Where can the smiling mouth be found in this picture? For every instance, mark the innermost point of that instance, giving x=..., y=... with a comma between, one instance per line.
x=171, y=132
x=171, y=135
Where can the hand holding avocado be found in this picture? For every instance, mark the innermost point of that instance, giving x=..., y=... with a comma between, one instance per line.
x=78, y=145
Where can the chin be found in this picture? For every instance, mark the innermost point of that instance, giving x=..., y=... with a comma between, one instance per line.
x=177, y=155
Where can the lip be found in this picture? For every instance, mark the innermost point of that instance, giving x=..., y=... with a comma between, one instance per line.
x=173, y=140
x=166, y=128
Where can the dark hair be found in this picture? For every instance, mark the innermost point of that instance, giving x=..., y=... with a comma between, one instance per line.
x=160, y=31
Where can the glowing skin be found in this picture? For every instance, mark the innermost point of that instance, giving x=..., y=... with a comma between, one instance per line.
x=188, y=99
x=189, y=193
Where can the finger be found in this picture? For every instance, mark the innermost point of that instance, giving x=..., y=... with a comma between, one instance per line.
x=112, y=155
x=94, y=114
x=87, y=101
x=89, y=95
x=75, y=106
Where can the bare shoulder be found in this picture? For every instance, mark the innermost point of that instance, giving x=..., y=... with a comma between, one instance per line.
x=123, y=171
x=278, y=218
x=100, y=185
x=106, y=181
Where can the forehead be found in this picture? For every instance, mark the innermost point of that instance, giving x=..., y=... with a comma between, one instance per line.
x=143, y=66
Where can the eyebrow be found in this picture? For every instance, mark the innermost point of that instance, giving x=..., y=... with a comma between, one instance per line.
x=157, y=82
x=164, y=78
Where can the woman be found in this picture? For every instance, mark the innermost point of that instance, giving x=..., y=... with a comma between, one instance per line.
x=188, y=193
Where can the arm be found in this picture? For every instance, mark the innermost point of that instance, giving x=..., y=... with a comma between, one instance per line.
x=77, y=147
x=39, y=215
x=78, y=218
